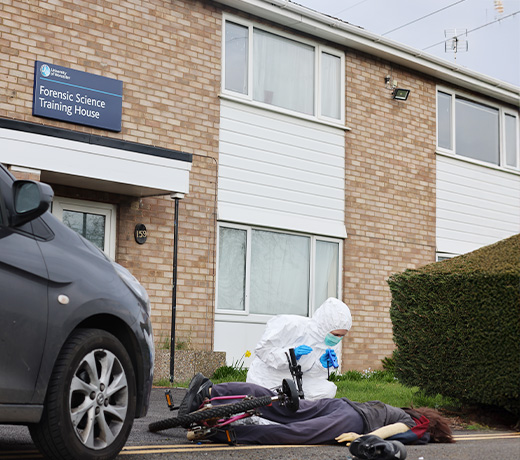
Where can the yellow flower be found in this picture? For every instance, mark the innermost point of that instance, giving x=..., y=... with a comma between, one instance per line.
x=247, y=354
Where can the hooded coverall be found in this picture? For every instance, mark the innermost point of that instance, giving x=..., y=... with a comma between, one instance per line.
x=270, y=366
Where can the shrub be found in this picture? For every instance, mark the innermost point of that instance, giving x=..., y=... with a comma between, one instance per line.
x=456, y=325
x=229, y=374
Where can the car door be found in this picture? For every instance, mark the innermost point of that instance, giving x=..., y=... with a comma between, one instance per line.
x=23, y=305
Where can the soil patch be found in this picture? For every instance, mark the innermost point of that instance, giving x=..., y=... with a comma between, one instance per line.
x=481, y=417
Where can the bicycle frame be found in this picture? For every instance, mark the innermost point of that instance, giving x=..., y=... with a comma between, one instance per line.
x=210, y=417
x=226, y=421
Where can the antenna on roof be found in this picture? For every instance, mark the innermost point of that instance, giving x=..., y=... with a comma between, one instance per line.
x=456, y=41
x=499, y=6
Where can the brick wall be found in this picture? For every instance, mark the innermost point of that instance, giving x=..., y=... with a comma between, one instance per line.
x=167, y=54
x=24, y=173
x=390, y=197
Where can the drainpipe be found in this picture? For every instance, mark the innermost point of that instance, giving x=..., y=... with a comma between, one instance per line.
x=176, y=197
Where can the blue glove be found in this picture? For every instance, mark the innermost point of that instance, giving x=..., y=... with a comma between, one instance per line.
x=329, y=359
x=302, y=350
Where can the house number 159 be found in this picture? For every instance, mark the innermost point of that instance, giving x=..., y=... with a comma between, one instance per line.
x=140, y=233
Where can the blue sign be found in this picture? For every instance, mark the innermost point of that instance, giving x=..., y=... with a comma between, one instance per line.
x=77, y=97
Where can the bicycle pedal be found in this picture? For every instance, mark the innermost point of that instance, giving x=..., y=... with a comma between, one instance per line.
x=169, y=399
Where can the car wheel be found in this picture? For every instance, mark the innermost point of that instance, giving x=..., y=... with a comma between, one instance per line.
x=90, y=404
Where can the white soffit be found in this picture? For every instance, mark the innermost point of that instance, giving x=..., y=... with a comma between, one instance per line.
x=305, y=20
x=97, y=167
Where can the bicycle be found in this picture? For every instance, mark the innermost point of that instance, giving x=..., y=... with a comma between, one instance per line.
x=210, y=418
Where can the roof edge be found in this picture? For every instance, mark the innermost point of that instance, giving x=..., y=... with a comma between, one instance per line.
x=306, y=20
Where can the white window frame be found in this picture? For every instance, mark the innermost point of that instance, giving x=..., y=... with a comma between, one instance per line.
x=312, y=261
x=319, y=50
x=440, y=256
x=60, y=204
x=503, y=111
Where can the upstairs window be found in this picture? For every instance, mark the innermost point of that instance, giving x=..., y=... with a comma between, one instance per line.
x=273, y=69
x=482, y=132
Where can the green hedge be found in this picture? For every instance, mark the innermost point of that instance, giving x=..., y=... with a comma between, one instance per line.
x=456, y=325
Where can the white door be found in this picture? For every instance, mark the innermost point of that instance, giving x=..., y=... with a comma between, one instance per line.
x=94, y=221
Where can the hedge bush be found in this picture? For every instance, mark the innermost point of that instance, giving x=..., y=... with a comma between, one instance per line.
x=456, y=324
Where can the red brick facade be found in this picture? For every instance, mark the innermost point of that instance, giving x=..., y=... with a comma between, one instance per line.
x=168, y=55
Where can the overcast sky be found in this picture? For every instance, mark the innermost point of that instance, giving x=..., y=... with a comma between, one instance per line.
x=493, y=49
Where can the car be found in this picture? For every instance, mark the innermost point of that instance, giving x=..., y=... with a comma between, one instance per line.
x=76, y=341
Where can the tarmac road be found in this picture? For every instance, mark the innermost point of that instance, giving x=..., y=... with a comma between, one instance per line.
x=15, y=443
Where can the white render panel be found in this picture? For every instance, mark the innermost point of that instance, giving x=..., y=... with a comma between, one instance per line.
x=232, y=331
x=476, y=205
x=280, y=171
x=96, y=162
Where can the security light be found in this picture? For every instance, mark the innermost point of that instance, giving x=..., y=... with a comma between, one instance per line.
x=400, y=94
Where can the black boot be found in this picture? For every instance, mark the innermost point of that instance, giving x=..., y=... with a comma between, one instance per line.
x=372, y=447
x=198, y=390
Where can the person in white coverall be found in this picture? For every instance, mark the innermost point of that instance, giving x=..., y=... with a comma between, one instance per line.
x=310, y=338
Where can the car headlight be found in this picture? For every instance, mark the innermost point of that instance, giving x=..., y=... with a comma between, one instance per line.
x=134, y=285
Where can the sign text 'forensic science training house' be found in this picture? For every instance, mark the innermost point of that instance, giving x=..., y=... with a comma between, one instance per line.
x=77, y=97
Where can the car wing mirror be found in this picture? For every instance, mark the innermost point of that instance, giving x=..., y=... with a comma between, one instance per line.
x=31, y=199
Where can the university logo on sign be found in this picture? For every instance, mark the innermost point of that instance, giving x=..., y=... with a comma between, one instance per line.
x=77, y=97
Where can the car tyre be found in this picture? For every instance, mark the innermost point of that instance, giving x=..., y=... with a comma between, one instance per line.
x=91, y=400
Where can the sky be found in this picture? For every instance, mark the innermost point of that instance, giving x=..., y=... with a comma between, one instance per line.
x=493, y=37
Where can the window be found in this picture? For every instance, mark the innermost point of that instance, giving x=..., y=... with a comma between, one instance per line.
x=476, y=134
x=478, y=131
x=440, y=256
x=94, y=221
x=267, y=272
x=444, y=121
x=511, y=140
x=273, y=69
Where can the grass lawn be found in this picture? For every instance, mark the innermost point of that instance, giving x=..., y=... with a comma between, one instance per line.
x=354, y=385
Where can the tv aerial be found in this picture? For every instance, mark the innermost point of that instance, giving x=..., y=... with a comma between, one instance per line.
x=456, y=41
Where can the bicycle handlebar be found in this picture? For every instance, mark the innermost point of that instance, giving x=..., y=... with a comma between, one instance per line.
x=296, y=371
x=292, y=354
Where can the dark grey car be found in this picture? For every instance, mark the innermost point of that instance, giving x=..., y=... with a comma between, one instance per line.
x=76, y=347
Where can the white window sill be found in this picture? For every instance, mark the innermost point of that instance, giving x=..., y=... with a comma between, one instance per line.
x=241, y=317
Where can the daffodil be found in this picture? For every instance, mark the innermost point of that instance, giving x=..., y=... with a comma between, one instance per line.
x=238, y=365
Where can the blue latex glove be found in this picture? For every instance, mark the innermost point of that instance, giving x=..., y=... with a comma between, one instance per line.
x=302, y=350
x=329, y=359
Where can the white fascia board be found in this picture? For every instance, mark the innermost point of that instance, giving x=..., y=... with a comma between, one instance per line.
x=147, y=174
x=320, y=25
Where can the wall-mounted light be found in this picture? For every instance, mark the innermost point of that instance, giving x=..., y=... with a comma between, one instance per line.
x=400, y=94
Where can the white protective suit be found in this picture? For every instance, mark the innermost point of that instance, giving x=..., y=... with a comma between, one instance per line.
x=270, y=366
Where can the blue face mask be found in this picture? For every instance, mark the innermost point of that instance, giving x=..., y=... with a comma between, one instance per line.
x=332, y=340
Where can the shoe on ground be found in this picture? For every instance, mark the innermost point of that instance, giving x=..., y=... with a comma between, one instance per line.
x=198, y=390
x=372, y=447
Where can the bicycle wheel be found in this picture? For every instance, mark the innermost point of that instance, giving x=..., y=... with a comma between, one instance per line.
x=289, y=390
x=216, y=412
